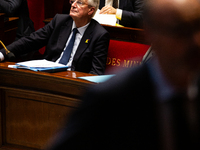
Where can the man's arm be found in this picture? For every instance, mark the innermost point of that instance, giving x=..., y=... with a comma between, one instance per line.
x=27, y=44
x=129, y=15
x=132, y=18
x=10, y=6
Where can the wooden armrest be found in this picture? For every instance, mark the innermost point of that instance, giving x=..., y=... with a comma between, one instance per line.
x=47, y=20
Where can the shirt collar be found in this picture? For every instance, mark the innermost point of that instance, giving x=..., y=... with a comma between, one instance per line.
x=82, y=29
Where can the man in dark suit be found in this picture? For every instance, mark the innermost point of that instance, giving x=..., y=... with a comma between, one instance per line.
x=90, y=48
x=133, y=110
x=128, y=12
x=18, y=8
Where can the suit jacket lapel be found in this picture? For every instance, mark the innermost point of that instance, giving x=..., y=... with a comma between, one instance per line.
x=85, y=41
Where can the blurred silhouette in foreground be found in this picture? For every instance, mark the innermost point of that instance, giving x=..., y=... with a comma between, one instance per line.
x=154, y=106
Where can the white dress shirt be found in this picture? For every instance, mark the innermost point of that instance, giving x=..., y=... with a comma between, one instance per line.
x=78, y=38
x=119, y=11
x=1, y=57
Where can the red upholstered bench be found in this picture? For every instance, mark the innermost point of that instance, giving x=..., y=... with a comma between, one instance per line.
x=123, y=54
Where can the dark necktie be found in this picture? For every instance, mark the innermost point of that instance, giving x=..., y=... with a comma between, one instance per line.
x=115, y=3
x=68, y=50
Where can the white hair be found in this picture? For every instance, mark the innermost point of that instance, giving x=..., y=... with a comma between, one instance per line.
x=94, y=3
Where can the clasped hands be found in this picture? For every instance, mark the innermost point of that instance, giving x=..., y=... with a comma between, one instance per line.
x=108, y=10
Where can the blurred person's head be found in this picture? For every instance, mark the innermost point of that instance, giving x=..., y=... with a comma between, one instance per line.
x=173, y=28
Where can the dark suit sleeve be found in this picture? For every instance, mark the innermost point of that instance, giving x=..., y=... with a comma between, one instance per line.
x=10, y=6
x=31, y=43
x=132, y=16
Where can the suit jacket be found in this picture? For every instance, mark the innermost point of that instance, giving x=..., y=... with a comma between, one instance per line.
x=118, y=114
x=18, y=8
x=132, y=12
x=91, y=54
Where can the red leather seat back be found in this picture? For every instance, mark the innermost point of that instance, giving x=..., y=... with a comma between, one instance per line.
x=123, y=54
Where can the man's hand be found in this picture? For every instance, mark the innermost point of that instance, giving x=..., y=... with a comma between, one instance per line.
x=108, y=10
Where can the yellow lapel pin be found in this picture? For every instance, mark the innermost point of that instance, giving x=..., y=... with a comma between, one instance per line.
x=87, y=41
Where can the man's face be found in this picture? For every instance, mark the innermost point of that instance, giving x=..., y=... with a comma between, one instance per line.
x=79, y=9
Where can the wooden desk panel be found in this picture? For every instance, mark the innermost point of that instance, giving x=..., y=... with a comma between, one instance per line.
x=126, y=34
x=34, y=104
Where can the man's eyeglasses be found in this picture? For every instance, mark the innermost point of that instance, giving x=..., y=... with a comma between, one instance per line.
x=79, y=3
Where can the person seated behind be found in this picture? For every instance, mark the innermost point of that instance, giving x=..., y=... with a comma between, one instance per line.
x=133, y=110
x=18, y=8
x=89, y=53
x=128, y=12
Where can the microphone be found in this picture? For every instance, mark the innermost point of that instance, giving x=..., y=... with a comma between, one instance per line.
x=10, y=55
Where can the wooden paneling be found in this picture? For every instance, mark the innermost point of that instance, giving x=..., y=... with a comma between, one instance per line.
x=34, y=105
x=32, y=117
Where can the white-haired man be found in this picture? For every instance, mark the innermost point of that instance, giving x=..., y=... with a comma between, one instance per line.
x=88, y=52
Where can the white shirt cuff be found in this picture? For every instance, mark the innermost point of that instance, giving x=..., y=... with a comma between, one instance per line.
x=119, y=14
x=1, y=57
